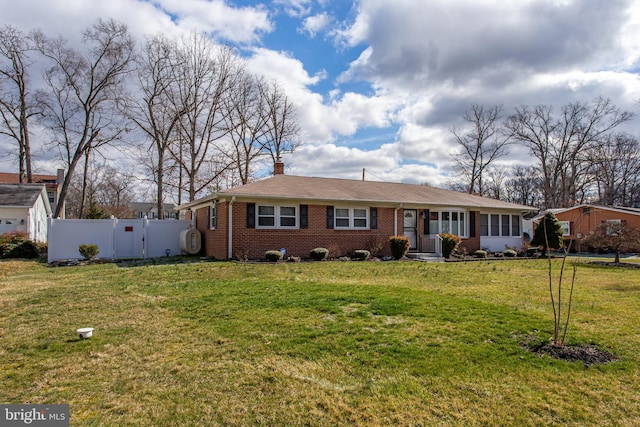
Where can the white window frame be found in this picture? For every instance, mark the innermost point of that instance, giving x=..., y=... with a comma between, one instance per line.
x=213, y=216
x=566, y=228
x=277, y=217
x=501, y=226
x=462, y=221
x=352, y=218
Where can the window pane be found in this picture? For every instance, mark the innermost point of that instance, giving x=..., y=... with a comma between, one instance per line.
x=287, y=211
x=515, y=225
x=360, y=223
x=445, y=222
x=287, y=221
x=454, y=223
x=505, y=225
x=266, y=210
x=484, y=224
x=495, y=225
x=266, y=221
x=463, y=225
x=342, y=213
x=359, y=213
x=342, y=222
x=433, y=223
x=214, y=215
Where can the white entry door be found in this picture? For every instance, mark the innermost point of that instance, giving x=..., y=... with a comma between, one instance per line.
x=410, y=227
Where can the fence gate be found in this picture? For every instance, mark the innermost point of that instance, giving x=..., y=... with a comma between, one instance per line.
x=129, y=234
x=116, y=238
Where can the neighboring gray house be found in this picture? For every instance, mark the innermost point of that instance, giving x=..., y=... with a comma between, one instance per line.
x=25, y=208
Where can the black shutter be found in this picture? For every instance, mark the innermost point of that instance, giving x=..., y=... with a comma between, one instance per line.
x=425, y=222
x=251, y=215
x=304, y=216
x=208, y=213
x=472, y=224
x=374, y=218
x=329, y=216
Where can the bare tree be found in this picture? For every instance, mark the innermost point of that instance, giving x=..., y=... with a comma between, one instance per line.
x=496, y=183
x=16, y=107
x=247, y=124
x=561, y=144
x=103, y=187
x=204, y=77
x=152, y=109
x=615, y=169
x=80, y=109
x=482, y=142
x=282, y=125
x=524, y=185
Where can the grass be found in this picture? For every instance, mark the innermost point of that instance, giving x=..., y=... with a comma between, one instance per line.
x=359, y=343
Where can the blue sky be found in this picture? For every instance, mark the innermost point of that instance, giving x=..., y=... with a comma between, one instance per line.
x=379, y=84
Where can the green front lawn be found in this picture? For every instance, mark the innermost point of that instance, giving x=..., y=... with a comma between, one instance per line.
x=325, y=343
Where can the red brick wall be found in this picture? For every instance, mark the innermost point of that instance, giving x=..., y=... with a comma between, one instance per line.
x=253, y=243
x=584, y=220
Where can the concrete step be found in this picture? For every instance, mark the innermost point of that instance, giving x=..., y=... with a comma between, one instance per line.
x=425, y=256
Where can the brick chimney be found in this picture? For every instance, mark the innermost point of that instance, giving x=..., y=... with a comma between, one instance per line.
x=278, y=167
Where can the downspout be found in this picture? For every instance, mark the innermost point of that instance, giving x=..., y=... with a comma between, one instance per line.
x=395, y=220
x=230, y=229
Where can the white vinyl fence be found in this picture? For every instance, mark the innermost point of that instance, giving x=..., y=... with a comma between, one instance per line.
x=116, y=238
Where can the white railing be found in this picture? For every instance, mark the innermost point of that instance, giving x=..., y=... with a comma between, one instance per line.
x=432, y=244
x=438, y=245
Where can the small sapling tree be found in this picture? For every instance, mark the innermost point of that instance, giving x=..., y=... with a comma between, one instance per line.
x=551, y=232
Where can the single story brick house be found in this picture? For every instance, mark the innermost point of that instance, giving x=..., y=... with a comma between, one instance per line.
x=298, y=213
x=578, y=221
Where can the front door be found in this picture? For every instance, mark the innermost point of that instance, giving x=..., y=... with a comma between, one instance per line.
x=410, y=227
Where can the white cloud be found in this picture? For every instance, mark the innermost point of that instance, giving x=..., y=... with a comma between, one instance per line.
x=312, y=25
x=295, y=8
x=70, y=17
x=321, y=121
x=241, y=25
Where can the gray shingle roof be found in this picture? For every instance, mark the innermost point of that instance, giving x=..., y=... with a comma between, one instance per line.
x=343, y=190
x=20, y=195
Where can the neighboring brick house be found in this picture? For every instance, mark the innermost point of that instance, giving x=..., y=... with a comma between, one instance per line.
x=578, y=221
x=299, y=213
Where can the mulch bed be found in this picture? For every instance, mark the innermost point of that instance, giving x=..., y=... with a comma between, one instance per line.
x=617, y=264
x=588, y=354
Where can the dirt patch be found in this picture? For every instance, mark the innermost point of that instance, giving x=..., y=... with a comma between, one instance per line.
x=588, y=354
